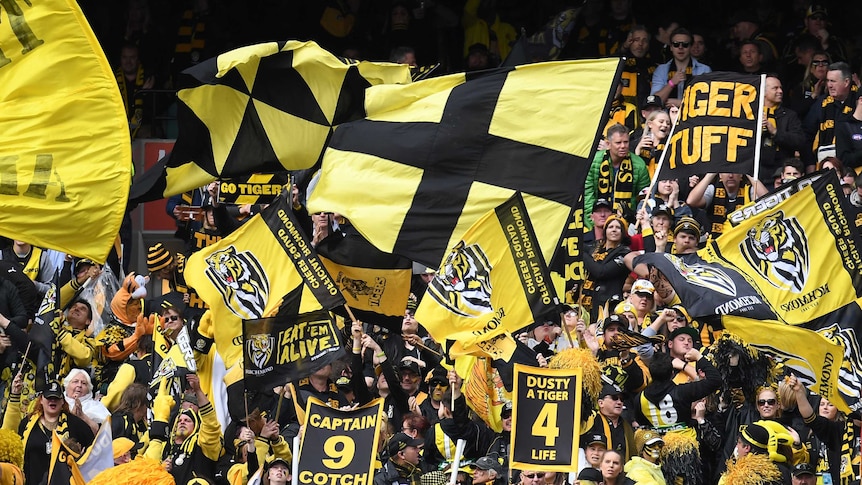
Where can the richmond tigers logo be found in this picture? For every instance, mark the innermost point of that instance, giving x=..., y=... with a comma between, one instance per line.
x=463, y=284
x=241, y=280
x=259, y=348
x=706, y=276
x=777, y=249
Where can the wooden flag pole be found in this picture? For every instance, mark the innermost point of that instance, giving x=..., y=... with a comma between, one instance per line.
x=566, y=329
x=280, y=399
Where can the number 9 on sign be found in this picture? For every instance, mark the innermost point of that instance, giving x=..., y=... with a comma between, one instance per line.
x=341, y=450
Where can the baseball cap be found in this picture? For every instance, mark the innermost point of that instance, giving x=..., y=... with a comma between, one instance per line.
x=596, y=438
x=54, y=389
x=603, y=203
x=409, y=365
x=802, y=469
x=507, y=410
x=122, y=445
x=609, y=389
x=401, y=441
x=279, y=461
x=652, y=101
x=662, y=209
x=816, y=10
x=343, y=382
x=489, y=463
x=612, y=320
x=643, y=286
x=689, y=225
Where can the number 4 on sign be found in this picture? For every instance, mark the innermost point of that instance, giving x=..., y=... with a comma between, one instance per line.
x=546, y=424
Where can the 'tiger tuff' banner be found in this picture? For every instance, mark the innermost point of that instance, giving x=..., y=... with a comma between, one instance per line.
x=494, y=281
x=339, y=446
x=801, y=250
x=65, y=155
x=718, y=129
x=547, y=408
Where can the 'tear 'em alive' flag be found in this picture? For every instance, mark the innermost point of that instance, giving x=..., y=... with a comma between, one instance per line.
x=261, y=108
x=432, y=157
x=494, y=281
x=65, y=154
x=281, y=350
x=719, y=127
x=245, y=275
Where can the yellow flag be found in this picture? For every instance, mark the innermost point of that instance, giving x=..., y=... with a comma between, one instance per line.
x=65, y=154
x=798, y=249
x=249, y=274
x=493, y=282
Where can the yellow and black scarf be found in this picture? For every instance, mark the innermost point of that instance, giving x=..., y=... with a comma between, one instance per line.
x=191, y=38
x=62, y=428
x=672, y=72
x=615, y=188
x=832, y=110
x=722, y=205
x=651, y=157
x=31, y=263
x=134, y=104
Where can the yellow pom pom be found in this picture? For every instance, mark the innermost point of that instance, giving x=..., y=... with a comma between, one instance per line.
x=11, y=448
x=584, y=359
x=140, y=471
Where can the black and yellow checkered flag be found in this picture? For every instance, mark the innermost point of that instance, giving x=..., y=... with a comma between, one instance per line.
x=434, y=156
x=262, y=108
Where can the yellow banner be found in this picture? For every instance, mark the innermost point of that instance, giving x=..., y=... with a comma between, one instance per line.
x=65, y=153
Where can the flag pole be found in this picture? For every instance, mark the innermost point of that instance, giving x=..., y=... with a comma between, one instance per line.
x=280, y=399
x=350, y=313
x=245, y=404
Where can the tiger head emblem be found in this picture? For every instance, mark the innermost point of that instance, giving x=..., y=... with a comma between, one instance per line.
x=777, y=249
x=239, y=277
x=709, y=276
x=463, y=284
x=259, y=349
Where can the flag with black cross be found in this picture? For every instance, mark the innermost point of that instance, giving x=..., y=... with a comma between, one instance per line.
x=262, y=108
x=432, y=157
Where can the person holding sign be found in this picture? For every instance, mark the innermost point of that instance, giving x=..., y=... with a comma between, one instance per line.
x=720, y=198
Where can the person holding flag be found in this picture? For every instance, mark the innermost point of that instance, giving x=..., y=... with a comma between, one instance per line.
x=720, y=198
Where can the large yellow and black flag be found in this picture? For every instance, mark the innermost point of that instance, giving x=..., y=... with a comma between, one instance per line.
x=262, y=108
x=249, y=275
x=432, y=157
x=65, y=153
x=798, y=246
x=493, y=282
x=719, y=127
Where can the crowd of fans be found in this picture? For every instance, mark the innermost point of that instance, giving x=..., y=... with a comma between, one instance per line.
x=667, y=398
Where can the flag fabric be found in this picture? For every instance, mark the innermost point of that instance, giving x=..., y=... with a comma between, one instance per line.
x=825, y=359
x=66, y=160
x=281, y=350
x=100, y=455
x=63, y=469
x=261, y=108
x=339, y=446
x=432, y=157
x=483, y=389
x=42, y=333
x=707, y=288
x=800, y=248
x=246, y=275
x=494, y=281
x=719, y=127
x=376, y=285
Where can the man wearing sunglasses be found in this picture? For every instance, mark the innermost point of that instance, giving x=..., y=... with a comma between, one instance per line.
x=670, y=78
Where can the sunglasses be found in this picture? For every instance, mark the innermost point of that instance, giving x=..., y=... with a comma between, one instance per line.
x=533, y=476
x=616, y=397
x=681, y=44
x=438, y=383
x=172, y=318
x=763, y=402
x=680, y=319
x=819, y=63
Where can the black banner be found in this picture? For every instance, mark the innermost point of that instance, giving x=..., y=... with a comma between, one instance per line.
x=545, y=419
x=718, y=129
x=257, y=188
x=280, y=350
x=339, y=446
x=527, y=254
x=289, y=234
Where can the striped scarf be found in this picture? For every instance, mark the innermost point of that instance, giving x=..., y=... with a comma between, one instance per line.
x=722, y=205
x=134, y=104
x=617, y=189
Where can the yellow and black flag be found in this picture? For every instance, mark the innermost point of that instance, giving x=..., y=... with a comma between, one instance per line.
x=65, y=154
x=278, y=350
x=798, y=246
x=375, y=284
x=247, y=275
x=262, y=108
x=433, y=157
x=493, y=282
x=718, y=129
